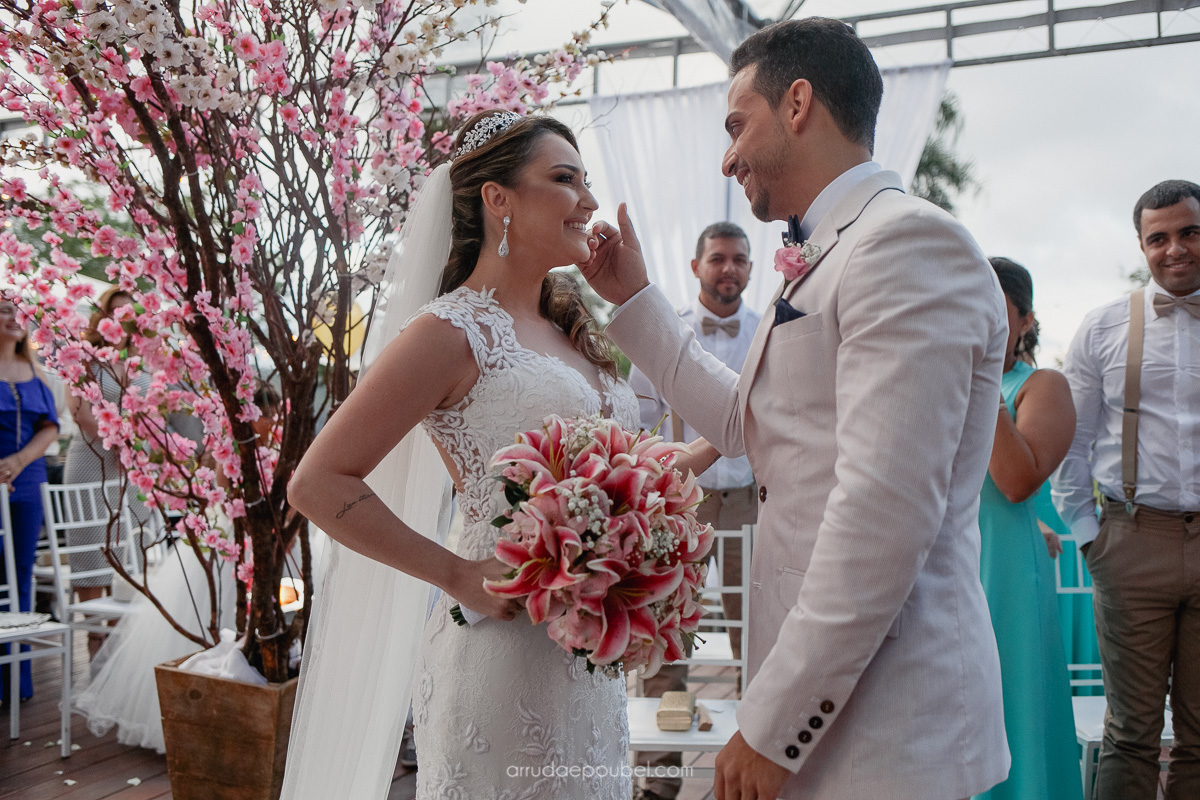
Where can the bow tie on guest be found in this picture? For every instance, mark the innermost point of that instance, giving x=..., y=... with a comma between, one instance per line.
x=1166, y=304
x=710, y=326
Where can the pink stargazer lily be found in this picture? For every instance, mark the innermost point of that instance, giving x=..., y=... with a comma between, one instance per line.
x=625, y=605
x=543, y=564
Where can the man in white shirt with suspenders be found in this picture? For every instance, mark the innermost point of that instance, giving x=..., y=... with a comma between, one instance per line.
x=1134, y=370
x=725, y=327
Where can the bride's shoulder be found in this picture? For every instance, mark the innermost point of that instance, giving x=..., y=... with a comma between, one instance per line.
x=463, y=307
x=462, y=315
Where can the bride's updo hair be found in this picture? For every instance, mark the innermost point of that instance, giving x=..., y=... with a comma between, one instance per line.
x=500, y=159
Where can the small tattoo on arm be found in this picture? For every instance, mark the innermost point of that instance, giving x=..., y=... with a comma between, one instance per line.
x=347, y=506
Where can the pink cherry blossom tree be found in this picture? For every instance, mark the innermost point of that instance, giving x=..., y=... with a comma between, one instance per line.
x=263, y=153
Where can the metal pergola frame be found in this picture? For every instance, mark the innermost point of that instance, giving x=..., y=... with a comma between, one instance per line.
x=1051, y=19
x=949, y=30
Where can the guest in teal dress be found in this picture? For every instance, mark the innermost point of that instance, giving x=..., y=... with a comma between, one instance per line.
x=1033, y=432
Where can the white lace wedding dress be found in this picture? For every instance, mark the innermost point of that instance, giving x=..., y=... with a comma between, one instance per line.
x=500, y=711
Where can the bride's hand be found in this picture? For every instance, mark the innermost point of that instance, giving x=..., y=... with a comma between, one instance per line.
x=470, y=592
x=700, y=456
x=616, y=269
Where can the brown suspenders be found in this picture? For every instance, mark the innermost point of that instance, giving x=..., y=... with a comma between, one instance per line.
x=1133, y=396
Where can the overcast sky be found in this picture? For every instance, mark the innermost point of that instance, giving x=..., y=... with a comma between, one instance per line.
x=1063, y=146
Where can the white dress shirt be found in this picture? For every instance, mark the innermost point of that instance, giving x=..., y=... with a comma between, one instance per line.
x=726, y=473
x=838, y=188
x=1168, y=468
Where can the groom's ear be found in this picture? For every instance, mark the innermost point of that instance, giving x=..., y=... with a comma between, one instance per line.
x=496, y=199
x=796, y=105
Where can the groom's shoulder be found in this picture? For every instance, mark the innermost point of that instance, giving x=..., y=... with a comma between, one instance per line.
x=896, y=207
x=906, y=239
x=900, y=217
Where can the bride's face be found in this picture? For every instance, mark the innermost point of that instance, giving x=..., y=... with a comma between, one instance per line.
x=551, y=205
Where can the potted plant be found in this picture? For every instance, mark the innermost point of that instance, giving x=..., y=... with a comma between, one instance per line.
x=254, y=158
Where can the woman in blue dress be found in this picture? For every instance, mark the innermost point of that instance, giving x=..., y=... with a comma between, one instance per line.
x=1034, y=427
x=28, y=425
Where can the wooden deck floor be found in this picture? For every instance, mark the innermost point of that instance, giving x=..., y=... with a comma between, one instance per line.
x=31, y=767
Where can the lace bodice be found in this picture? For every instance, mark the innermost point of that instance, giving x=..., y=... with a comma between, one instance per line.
x=517, y=389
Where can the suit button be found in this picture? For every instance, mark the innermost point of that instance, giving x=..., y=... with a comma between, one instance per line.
x=762, y=494
x=805, y=737
x=792, y=751
x=827, y=707
x=815, y=722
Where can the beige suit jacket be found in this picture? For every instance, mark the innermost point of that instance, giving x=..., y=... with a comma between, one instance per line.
x=869, y=424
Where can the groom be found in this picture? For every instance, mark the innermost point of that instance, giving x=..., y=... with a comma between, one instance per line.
x=867, y=407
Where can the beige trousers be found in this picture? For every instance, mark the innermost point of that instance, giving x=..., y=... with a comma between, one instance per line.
x=1146, y=574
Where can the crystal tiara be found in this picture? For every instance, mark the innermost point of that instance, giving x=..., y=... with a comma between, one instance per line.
x=485, y=129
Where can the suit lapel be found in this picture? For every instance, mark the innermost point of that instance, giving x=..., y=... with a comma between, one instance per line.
x=825, y=236
x=843, y=215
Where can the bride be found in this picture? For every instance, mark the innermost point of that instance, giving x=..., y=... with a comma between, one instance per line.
x=499, y=710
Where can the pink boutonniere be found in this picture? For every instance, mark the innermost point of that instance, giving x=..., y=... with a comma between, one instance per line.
x=794, y=261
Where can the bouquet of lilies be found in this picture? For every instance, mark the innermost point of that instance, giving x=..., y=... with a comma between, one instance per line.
x=603, y=540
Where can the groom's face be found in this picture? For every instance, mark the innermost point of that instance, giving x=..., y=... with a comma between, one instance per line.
x=757, y=153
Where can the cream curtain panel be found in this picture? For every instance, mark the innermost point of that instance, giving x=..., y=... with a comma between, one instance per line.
x=713, y=23
x=662, y=154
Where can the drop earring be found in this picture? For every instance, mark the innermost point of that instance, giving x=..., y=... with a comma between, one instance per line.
x=503, y=248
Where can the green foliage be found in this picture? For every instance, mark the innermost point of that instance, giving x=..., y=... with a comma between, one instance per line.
x=942, y=175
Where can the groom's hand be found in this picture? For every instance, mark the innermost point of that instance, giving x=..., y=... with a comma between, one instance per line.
x=615, y=269
x=744, y=774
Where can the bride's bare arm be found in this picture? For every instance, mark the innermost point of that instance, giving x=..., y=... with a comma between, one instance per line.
x=700, y=456
x=429, y=365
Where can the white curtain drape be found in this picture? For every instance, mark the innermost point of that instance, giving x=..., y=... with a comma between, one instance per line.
x=713, y=23
x=662, y=155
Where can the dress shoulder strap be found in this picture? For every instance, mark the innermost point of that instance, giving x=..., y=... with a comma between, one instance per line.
x=488, y=327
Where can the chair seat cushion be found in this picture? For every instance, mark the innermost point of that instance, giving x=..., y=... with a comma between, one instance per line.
x=101, y=606
x=715, y=650
x=1089, y=720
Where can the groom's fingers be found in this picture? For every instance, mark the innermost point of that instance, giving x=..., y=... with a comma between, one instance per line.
x=604, y=231
x=627, y=232
x=725, y=787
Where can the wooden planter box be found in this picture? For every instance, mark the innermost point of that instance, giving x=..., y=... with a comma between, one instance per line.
x=226, y=740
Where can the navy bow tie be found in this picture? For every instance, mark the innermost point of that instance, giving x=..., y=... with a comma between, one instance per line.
x=792, y=235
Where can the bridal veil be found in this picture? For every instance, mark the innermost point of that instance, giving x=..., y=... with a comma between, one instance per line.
x=361, y=648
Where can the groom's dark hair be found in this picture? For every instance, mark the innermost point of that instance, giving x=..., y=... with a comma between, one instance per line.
x=829, y=55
